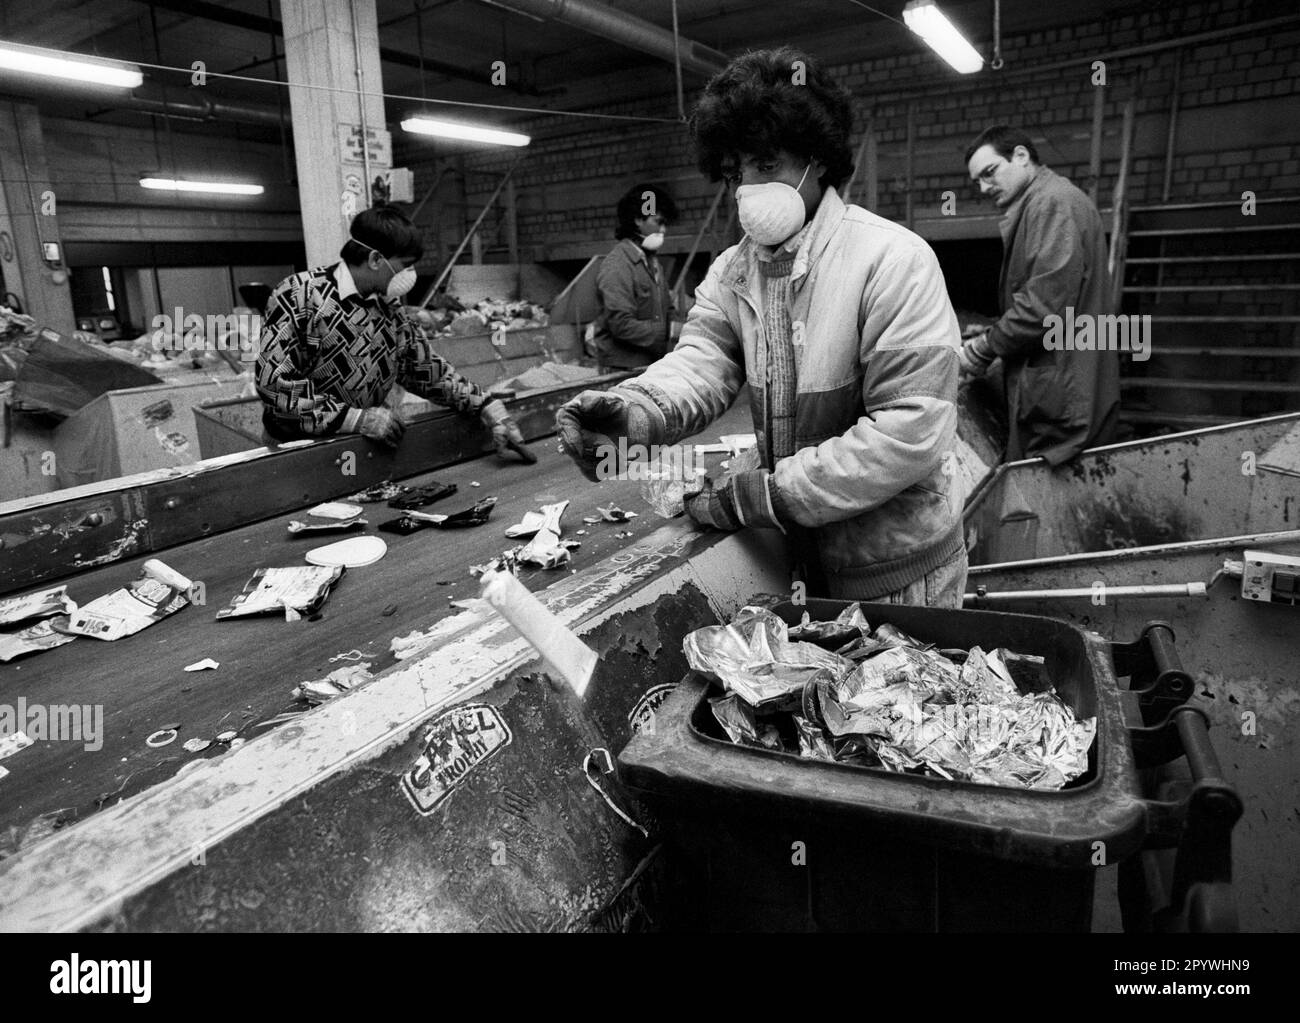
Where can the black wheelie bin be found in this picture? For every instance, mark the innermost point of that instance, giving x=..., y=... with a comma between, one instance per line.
x=756, y=839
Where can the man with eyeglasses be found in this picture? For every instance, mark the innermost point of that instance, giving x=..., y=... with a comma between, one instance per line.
x=1054, y=257
x=840, y=323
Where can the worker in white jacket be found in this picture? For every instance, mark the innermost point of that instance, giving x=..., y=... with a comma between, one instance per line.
x=840, y=322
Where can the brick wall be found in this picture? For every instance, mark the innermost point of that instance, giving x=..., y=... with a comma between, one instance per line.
x=1239, y=126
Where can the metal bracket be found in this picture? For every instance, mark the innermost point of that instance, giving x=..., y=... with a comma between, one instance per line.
x=1155, y=673
x=1160, y=744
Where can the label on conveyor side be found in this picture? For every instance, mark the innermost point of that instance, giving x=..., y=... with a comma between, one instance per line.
x=642, y=715
x=456, y=742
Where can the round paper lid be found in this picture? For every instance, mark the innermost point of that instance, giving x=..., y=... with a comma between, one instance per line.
x=353, y=553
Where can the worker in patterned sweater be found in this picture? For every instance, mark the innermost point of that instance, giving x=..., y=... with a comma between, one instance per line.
x=335, y=340
x=840, y=323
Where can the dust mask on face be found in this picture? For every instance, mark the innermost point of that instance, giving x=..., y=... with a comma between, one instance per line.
x=401, y=282
x=773, y=211
x=653, y=242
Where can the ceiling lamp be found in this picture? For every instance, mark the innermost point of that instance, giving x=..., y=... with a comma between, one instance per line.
x=925, y=19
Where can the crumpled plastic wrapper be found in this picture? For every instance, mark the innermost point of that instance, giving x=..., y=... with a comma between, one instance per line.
x=738, y=720
x=666, y=482
x=535, y=522
x=813, y=743
x=665, y=493
x=903, y=706
x=41, y=604
x=546, y=550
x=850, y=625
x=754, y=658
x=336, y=683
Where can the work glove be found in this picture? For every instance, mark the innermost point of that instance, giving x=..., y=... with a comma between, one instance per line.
x=590, y=425
x=745, y=499
x=381, y=424
x=976, y=356
x=506, y=434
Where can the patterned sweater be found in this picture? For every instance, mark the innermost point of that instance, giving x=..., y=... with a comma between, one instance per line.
x=327, y=353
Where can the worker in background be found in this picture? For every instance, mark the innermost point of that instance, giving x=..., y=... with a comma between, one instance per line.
x=1059, y=402
x=840, y=323
x=636, y=326
x=335, y=340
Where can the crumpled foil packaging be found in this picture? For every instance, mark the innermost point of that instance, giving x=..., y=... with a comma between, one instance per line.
x=754, y=658
x=901, y=706
x=741, y=725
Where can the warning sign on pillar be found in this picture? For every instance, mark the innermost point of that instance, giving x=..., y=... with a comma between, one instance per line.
x=379, y=143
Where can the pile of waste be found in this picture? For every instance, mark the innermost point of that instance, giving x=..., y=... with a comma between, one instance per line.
x=483, y=317
x=842, y=692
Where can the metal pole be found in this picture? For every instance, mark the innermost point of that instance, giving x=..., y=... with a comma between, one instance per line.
x=677, y=65
x=911, y=146
x=446, y=271
x=361, y=99
x=1094, y=158
x=1169, y=153
x=699, y=235
x=512, y=224
x=1119, y=217
x=1086, y=592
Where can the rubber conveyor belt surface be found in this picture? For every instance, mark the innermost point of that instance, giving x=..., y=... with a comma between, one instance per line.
x=141, y=683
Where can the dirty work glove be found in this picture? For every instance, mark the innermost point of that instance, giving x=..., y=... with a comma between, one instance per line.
x=506, y=434
x=591, y=424
x=745, y=499
x=976, y=356
x=381, y=424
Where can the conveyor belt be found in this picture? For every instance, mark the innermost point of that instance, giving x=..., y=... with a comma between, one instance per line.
x=140, y=680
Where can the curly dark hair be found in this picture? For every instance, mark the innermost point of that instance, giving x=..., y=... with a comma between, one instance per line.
x=753, y=107
x=628, y=210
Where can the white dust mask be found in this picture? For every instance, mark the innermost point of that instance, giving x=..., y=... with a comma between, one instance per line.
x=653, y=242
x=401, y=282
x=771, y=212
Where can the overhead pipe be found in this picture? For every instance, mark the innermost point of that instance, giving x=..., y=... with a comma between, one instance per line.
x=204, y=109
x=194, y=107
x=626, y=29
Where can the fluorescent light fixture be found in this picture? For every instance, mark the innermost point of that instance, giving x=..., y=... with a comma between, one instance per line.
x=218, y=187
x=74, y=67
x=464, y=132
x=925, y=19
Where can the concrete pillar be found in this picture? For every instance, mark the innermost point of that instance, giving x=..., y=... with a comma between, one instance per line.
x=29, y=221
x=324, y=45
